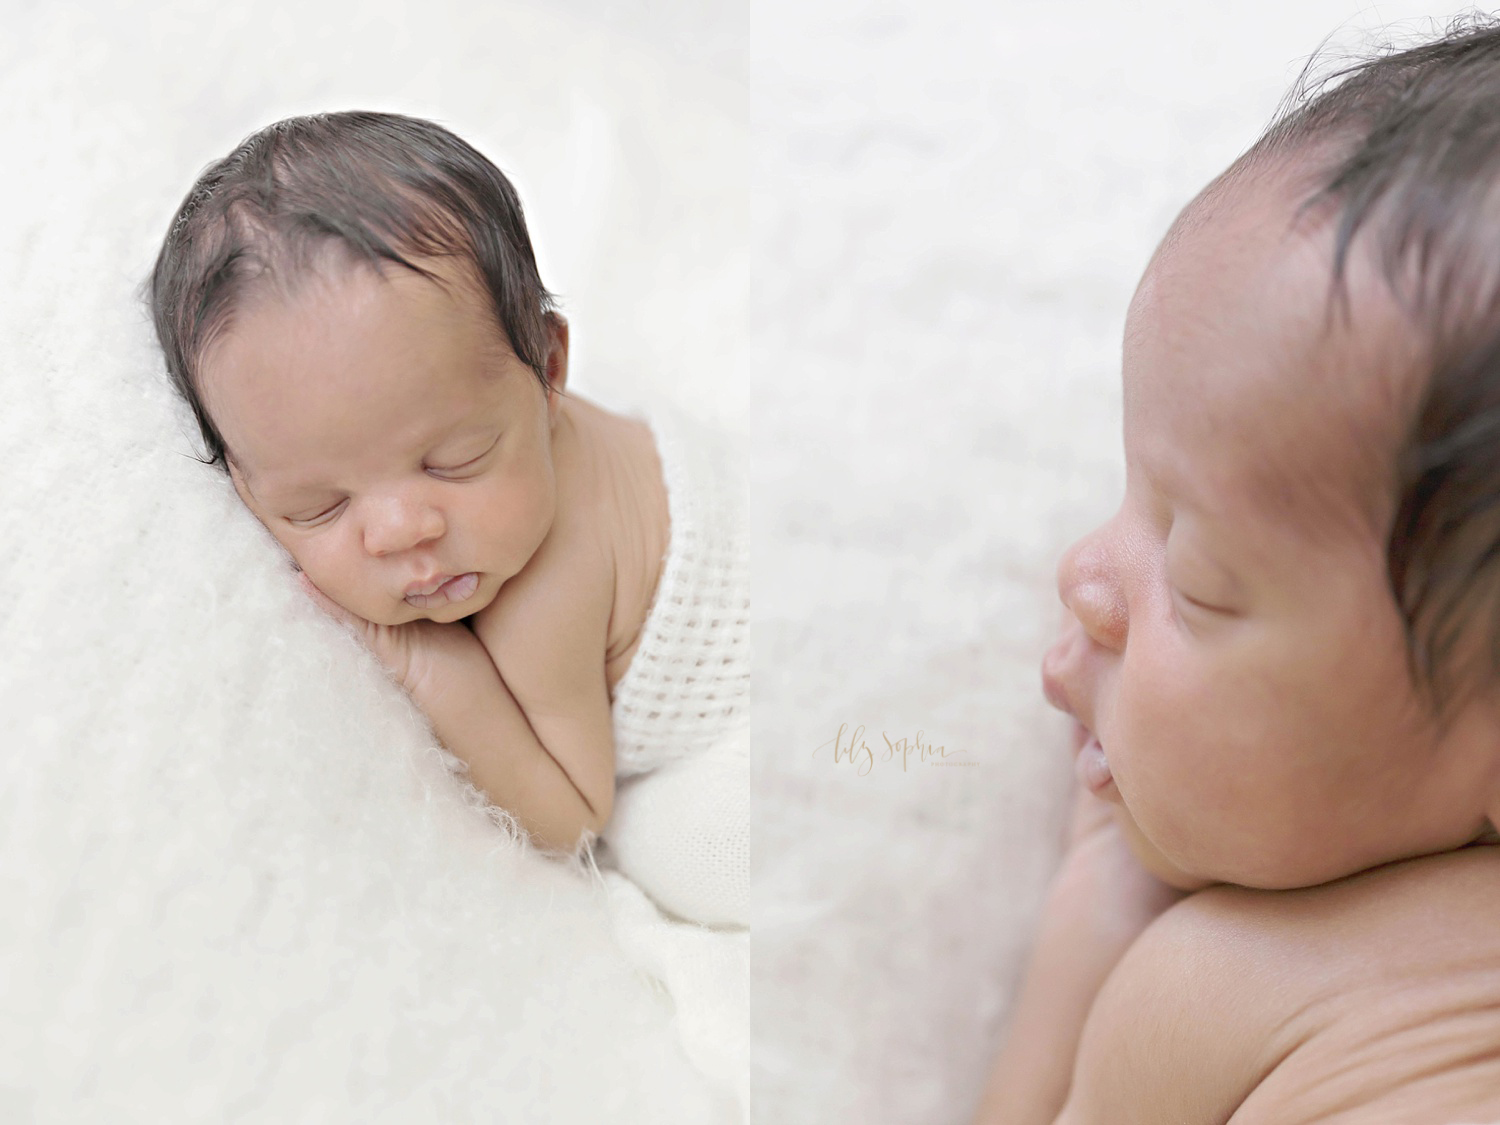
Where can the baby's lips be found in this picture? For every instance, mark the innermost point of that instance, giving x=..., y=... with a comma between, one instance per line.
x=1052, y=687
x=1079, y=737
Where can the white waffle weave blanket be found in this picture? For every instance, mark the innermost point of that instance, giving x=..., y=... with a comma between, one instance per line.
x=689, y=681
x=681, y=823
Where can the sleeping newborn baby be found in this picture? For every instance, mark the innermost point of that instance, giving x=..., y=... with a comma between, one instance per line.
x=1281, y=898
x=350, y=305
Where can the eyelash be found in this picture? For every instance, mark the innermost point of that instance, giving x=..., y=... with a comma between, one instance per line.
x=471, y=461
x=312, y=521
x=1192, y=601
x=1202, y=607
x=457, y=468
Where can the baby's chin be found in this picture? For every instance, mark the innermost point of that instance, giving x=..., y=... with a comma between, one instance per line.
x=1153, y=860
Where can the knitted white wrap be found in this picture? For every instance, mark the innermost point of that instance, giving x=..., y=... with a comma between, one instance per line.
x=689, y=681
x=680, y=830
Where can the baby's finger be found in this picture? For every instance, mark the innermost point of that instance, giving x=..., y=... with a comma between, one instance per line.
x=1090, y=814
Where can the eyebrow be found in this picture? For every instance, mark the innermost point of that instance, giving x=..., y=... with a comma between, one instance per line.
x=1181, y=489
x=1235, y=568
x=1177, y=486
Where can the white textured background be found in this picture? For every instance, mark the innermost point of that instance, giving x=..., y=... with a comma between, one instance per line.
x=236, y=883
x=953, y=202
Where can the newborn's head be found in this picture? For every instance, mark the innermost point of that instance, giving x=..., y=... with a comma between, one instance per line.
x=1284, y=643
x=350, y=305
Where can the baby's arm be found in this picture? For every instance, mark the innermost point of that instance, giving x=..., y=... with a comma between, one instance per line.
x=545, y=754
x=1179, y=1031
x=1374, y=998
x=1099, y=902
x=552, y=761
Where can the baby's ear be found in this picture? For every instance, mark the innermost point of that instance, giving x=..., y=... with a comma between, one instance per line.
x=557, y=353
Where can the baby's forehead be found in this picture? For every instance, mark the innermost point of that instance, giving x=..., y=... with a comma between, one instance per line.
x=1243, y=371
x=307, y=379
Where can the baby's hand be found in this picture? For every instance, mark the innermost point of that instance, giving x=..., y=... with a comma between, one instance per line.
x=397, y=647
x=1099, y=902
x=1100, y=875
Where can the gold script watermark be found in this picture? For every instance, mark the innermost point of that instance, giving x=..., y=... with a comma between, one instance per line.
x=852, y=745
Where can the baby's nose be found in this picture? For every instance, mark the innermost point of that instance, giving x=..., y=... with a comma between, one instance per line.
x=1089, y=584
x=397, y=524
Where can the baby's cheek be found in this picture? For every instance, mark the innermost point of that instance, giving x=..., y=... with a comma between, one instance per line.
x=523, y=515
x=307, y=557
x=1161, y=700
x=1171, y=720
x=328, y=567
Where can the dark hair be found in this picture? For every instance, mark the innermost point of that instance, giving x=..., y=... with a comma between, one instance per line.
x=1415, y=138
x=381, y=186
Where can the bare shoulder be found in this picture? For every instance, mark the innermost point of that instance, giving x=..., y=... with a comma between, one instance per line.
x=1275, y=1006
x=547, y=625
x=611, y=477
x=588, y=588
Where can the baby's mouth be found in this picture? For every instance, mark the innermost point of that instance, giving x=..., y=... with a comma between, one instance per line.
x=448, y=590
x=1092, y=767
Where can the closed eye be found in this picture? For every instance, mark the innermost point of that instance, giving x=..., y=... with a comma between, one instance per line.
x=473, y=462
x=1205, y=607
x=466, y=467
x=309, y=521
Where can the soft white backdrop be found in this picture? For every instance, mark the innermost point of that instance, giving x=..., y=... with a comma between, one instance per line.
x=237, y=882
x=953, y=201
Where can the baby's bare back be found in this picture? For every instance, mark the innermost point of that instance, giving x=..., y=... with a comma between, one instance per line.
x=1373, y=999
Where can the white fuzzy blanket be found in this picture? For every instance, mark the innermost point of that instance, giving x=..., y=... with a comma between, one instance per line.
x=955, y=200
x=238, y=881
